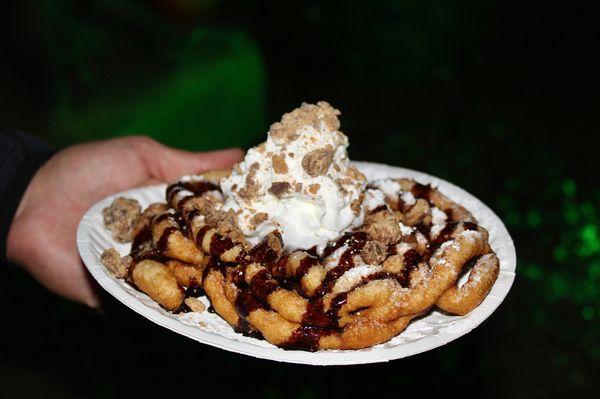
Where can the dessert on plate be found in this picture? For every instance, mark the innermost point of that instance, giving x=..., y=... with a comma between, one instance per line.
x=295, y=246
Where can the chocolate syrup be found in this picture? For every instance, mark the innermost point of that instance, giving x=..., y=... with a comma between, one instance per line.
x=263, y=285
x=355, y=242
x=317, y=324
x=376, y=276
x=244, y=328
x=220, y=244
x=306, y=263
x=129, y=277
x=315, y=315
x=163, y=242
x=424, y=229
x=264, y=254
x=196, y=187
x=190, y=216
x=143, y=236
x=312, y=251
x=411, y=260
x=336, y=304
x=183, y=226
x=306, y=338
x=278, y=268
x=201, y=233
x=448, y=230
x=142, y=247
x=470, y=226
x=175, y=218
x=246, y=303
x=400, y=204
x=446, y=235
x=183, y=308
x=182, y=202
x=346, y=239
x=422, y=191
x=162, y=217
x=380, y=208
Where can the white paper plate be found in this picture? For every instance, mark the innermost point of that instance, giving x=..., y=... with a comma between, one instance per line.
x=426, y=333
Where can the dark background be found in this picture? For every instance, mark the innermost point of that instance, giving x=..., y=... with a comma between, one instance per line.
x=498, y=97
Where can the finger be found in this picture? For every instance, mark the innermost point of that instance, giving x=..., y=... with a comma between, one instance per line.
x=164, y=163
x=56, y=264
x=204, y=161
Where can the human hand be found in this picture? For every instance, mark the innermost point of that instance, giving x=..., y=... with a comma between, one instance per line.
x=42, y=236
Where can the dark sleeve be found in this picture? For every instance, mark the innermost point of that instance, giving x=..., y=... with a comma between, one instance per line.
x=21, y=155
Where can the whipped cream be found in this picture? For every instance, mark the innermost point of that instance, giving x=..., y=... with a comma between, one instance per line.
x=392, y=189
x=299, y=182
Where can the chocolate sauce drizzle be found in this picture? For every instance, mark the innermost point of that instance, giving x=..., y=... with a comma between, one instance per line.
x=316, y=321
x=422, y=191
x=380, y=208
x=196, y=187
x=411, y=260
x=355, y=242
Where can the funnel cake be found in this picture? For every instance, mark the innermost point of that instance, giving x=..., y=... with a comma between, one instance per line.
x=376, y=255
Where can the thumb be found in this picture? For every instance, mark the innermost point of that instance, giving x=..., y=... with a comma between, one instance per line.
x=165, y=163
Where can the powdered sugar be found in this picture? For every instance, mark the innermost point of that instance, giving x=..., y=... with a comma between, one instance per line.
x=402, y=247
x=406, y=230
x=373, y=199
x=438, y=219
x=332, y=260
x=407, y=198
x=390, y=188
x=471, y=235
x=353, y=277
